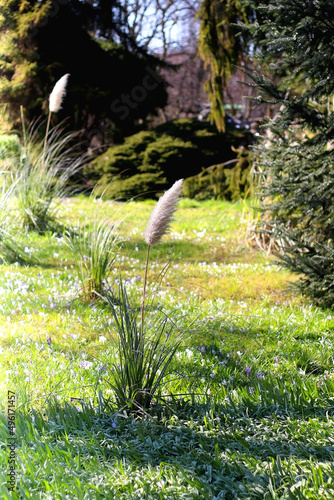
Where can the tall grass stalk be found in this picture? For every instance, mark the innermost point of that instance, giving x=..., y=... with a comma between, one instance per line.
x=55, y=101
x=158, y=225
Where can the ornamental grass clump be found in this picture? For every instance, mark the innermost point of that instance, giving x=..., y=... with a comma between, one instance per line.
x=42, y=177
x=94, y=248
x=145, y=349
x=42, y=170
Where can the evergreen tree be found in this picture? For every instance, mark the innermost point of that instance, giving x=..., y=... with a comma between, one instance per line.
x=296, y=41
x=111, y=89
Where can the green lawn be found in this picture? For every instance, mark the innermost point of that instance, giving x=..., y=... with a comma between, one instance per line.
x=248, y=408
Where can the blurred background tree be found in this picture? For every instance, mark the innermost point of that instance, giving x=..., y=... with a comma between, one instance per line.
x=134, y=65
x=42, y=40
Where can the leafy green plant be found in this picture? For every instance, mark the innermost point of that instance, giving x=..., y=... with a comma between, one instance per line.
x=41, y=170
x=231, y=180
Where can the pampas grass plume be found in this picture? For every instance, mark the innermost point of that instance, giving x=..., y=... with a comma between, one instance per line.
x=57, y=94
x=162, y=214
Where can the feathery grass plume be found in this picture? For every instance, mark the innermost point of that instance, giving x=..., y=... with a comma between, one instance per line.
x=58, y=94
x=55, y=100
x=162, y=214
x=158, y=225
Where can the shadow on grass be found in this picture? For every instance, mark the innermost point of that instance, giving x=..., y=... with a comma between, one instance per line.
x=241, y=448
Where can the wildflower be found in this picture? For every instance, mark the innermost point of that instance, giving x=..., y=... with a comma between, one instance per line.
x=102, y=339
x=276, y=359
x=162, y=214
x=259, y=376
x=86, y=364
x=58, y=94
x=114, y=425
x=49, y=341
x=248, y=369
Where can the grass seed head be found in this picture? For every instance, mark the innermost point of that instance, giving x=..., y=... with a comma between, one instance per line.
x=58, y=94
x=162, y=214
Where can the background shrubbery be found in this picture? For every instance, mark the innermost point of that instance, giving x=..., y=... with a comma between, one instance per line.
x=148, y=162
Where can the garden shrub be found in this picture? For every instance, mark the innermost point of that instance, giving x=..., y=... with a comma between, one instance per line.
x=222, y=181
x=147, y=162
x=169, y=155
x=122, y=159
x=137, y=186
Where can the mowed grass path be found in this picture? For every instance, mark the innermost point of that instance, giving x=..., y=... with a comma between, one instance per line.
x=248, y=409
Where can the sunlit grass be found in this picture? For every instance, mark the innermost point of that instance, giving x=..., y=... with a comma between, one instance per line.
x=256, y=372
